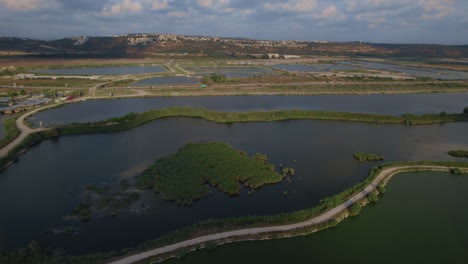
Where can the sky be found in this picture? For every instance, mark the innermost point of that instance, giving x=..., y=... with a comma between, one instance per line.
x=378, y=21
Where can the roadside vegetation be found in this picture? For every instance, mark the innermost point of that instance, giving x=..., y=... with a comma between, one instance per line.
x=182, y=176
x=361, y=156
x=11, y=131
x=458, y=153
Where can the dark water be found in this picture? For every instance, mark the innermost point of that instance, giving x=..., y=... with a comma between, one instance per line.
x=378, y=104
x=107, y=70
x=421, y=219
x=46, y=182
x=168, y=80
x=296, y=67
x=239, y=69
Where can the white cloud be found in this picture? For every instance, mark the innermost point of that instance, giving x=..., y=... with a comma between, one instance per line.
x=28, y=5
x=293, y=5
x=159, y=4
x=212, y=3
x=436, y=9
x=125, y=6
x=177, y=14
x=327, y=12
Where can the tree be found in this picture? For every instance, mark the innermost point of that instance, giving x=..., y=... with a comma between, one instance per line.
x=23, y=92
x=408, y=118
x=465, y=110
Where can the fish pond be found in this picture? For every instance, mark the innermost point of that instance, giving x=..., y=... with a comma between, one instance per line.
x=105, y=70
x=47, y=182
x=398, y=104
x=412, y=223
x=168, y=80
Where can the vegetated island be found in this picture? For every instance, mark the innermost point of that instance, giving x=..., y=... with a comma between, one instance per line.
x=182, y=176
x=458, y=153
x=361, y=156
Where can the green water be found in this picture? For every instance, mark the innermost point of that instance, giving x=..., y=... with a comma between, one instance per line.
x=422, y=218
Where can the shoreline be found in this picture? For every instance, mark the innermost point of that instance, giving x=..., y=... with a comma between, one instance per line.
x=211, y=233
x=30, y=137
x=316, y=224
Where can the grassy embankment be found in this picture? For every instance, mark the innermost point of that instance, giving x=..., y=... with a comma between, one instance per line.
x=35, y=255
x=458, y=153
x=313, y=89
x=361, y=156
x=134, y=120
x=11, y=131
x=182, y=176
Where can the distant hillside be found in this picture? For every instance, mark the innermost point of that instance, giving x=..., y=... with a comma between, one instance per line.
x=141, y=44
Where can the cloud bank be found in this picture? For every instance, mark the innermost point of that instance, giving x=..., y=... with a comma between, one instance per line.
x=420, y=21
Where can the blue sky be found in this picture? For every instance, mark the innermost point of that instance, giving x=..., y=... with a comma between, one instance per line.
x=395, y=21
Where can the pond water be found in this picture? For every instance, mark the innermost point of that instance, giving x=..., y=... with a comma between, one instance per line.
x=46, y=183
x=412, y=223
x=106, y=70
x=239, y=69
x=237, y=74
x=415, y=71
x=95, y=110
x=299, y=68
x=337, y=67
x=168, y=80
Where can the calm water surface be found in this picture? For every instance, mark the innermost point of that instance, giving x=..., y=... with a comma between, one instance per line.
x=296, y=67
x=232, y=69
x=46, y=183
x=237, y=74
x=419, y=220
x=168, y=80
x=106, y=70
x=96, y=110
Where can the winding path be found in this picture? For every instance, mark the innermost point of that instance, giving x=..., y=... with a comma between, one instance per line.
x=25, y=130
x=327, y=216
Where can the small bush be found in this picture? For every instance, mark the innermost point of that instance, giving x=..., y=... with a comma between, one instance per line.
x=361, y=156
x=458, y=153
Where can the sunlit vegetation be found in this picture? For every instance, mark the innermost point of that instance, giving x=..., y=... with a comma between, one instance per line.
x=215, y=78
x=182, y=176
x=458, y=153
x=361, y=156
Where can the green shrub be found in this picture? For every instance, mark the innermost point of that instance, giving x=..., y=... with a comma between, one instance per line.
x=361, y=156
x=355, y=209
x=458, y=153
x=457, y=171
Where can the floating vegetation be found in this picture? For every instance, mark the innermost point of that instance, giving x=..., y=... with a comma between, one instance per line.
x=361, y=156
x=101, y=200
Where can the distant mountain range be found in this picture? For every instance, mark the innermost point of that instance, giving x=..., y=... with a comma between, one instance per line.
x=146, y=44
